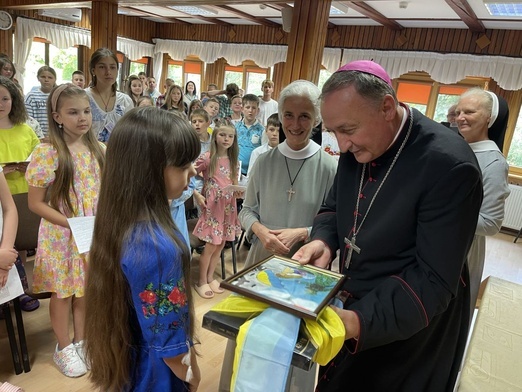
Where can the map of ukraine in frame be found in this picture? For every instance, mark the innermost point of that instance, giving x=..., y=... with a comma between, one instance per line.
x=302, y=290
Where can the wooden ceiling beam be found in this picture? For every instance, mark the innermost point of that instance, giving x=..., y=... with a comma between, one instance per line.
x=244, y=15
x=467, y=15
x=371, y=13
x=152, y=15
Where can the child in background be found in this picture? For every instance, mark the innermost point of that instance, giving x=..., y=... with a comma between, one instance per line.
x=236, y=105
x=144, y=101
x=195, y=104
x=200, y=121
x=107, y=103
x=211, y=106
x=68, y=169
x=139, y=261
x=7, y=231
x=218, y=222
x=17, y=139
x=7, y=67
x=134, y=88
x=190, y=92
x=267, y=106
x=78, y=79
x=249, y=131
x=36, y=99
x=174, y=100
x=272, y=133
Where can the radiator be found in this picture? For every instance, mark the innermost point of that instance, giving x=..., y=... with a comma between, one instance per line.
x=513, y=209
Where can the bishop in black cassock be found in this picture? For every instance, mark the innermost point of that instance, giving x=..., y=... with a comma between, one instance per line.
x=416, y=206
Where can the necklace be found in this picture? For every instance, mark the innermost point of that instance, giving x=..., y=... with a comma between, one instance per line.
x=291, y=191
x=350, y=243
x=106, y=104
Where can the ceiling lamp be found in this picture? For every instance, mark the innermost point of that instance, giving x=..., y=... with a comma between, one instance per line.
x=338, y=9
x=193, y=10
x=503, y=8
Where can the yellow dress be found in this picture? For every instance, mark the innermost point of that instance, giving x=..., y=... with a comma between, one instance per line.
x=58, y=266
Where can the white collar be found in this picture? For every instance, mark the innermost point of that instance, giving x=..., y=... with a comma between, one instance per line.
x=484, y=145
x=311, y=148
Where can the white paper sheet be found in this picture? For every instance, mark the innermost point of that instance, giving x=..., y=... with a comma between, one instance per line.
x=13, y=288
x=82, y=229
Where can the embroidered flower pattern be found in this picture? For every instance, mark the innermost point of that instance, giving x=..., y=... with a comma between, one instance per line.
x=168, y=297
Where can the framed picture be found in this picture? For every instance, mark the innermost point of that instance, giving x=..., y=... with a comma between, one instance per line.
x=302, y=290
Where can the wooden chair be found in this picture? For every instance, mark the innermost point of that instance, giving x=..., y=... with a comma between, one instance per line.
x=26, y=239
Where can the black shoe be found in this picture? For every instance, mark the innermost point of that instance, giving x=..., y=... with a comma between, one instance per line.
x=31, y=252
x=199, y=249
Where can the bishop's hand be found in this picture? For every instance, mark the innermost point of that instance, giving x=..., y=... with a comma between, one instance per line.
x=315, y=252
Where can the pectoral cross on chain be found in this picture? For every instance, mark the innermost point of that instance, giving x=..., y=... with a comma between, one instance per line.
x=290, y=192
x=352, y=247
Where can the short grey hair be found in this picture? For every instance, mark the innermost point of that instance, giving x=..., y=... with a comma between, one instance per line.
x=304, y=89
x=366, y=85
x=485, y=98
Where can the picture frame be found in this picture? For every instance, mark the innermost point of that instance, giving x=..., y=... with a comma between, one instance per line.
x=302, y=290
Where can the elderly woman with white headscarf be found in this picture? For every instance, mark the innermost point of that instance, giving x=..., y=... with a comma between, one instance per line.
x=482, y=119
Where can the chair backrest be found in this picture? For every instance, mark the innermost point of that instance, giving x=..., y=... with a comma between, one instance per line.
x=28, y=224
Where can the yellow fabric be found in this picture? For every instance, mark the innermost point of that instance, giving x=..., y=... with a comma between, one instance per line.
x=327, y=332
x=16, y=144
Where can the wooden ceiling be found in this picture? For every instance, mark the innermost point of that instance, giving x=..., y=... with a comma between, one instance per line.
x=394, y=14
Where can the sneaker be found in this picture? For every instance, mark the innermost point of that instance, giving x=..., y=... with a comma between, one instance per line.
x=81, y=353
x=69, y=362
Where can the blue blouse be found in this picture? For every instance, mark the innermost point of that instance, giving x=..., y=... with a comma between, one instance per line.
x=153, y=267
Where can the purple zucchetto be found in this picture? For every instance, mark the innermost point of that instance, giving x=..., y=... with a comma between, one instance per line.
x=368, y=67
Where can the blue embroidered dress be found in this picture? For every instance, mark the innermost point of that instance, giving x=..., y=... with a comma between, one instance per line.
x=152, y=265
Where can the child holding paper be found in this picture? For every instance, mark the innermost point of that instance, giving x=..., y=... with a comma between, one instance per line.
x=69, y=170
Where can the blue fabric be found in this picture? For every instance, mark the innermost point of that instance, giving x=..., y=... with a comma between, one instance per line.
x=177, y=210
x=152, y=265
x=248, y=139
x=267, y=352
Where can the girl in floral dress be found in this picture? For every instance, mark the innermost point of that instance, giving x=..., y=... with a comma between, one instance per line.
x=68, y=171
x=140, y=319
x=218, y=222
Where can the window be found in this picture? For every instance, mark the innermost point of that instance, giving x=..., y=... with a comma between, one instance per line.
x=192, y=73
x=234, y=75
x=136, y=67
x=514, y=157
x=247, y=76
x=63, y=61
x=447, y=96
x=324, y=74
x=414, y=94
x=175, y=72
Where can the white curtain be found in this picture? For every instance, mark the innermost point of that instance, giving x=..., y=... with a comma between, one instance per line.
x=157, y=65
x=62, y=37
x=133, y=49
x=331, y=59
x=263, y=55
x=444, y=68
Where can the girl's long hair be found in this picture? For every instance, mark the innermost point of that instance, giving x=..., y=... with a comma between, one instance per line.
x=144, y=142
x=64, y=180
x=131, y=79
x=168, y=98
x=232, y=151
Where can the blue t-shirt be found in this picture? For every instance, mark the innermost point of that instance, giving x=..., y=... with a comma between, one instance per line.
x=248, y=139
x=153, y=267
